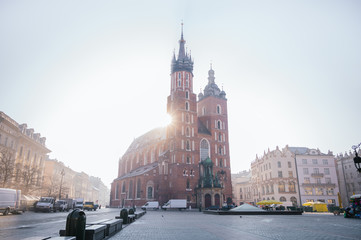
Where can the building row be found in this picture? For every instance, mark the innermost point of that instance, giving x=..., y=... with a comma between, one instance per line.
x=295, y=175
x=25, y=166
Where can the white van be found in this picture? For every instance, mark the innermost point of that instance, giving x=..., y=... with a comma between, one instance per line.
x=9, y=200
x=175, y=204
x=151, y=205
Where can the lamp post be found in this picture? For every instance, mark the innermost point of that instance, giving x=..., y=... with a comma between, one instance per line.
x=357, y=159
x=298, y=181
x=62, y=173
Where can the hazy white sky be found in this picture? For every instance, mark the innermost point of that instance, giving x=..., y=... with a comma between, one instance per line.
x=91, y=76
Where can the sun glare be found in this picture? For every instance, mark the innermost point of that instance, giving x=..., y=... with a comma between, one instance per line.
x=166, y=120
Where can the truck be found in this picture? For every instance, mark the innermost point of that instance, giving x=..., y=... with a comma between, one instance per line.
x=45, y=204
x=175, y=204
x=9, y=201
x=150, y=205
x=79, y=203
x=70, y=203
x=61, y=205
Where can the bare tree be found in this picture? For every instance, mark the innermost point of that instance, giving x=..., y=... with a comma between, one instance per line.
x=51, y=186
x=7, y=166
x=29, y=177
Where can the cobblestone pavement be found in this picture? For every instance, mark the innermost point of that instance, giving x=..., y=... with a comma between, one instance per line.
x=195, y=225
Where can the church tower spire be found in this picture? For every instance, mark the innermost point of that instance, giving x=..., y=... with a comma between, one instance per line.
x=184, y=61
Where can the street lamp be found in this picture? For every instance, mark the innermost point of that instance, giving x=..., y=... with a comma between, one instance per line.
x=357, y=159
x=62, y=173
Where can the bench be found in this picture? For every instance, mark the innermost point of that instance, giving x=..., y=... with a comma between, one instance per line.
x=95, y=232
x=113, y=226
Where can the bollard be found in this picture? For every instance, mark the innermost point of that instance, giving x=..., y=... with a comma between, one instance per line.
x=75, y=224
x=124, y=215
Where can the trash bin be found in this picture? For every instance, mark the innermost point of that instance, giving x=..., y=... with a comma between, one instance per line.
x=75, y=224
x=124, y=215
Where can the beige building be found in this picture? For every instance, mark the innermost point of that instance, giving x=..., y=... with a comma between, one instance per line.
x=348, y=178
x=61, y=181
x=274, y=177
x=23, y=154
x=242, y=187
x=317, y=175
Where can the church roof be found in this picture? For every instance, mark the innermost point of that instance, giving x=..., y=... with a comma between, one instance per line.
x=150, y=137
x=139, y=171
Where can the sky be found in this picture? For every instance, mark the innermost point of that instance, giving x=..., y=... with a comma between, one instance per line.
x=91, y=76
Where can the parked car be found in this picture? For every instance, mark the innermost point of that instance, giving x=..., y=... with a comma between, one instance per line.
x=89, y=206
x=45, y=204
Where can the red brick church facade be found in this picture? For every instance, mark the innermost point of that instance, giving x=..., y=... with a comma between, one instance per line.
x=189, y=159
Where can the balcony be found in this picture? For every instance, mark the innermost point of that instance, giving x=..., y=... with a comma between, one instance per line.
x=320, y=175
x=319, y=185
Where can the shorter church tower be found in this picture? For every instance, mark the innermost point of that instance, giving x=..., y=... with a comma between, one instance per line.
x=214, y=186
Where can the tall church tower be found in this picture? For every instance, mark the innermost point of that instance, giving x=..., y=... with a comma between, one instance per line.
x=182, y=133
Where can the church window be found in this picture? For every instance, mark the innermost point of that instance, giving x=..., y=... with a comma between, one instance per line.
x=185, y=172
x=187, y=118
x=150, y=193
x=188, y=145
x=203, y=111
x=130, y=192
x=219, y=125
x=187, y=94
x=188, y=184
x=188, y=159
x=187, y=132
x=221, y=162
x=218, y=109
x=138, y=188
x=220, y=137
x=179, y=83
x=204, y=149
x=123, y=187
x=187, y=82
x=192, y=172
x=187, y=106
x=116, y=191
x=220, y=150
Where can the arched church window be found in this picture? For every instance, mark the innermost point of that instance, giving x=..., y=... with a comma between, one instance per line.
x=188, y=159
x=187, y=106
x=204, y=150
x=221, y=162
x=150, y=192
x=187, y=93
x=218, y=109
x=187, y=132
x=138, y=188
x=188, y=184
x=187, y=118
x=219, y=125
x=188, y=145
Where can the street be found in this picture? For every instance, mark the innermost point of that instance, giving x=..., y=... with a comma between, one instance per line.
x=31, y=225
x=190, y=225
x=194, y=225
